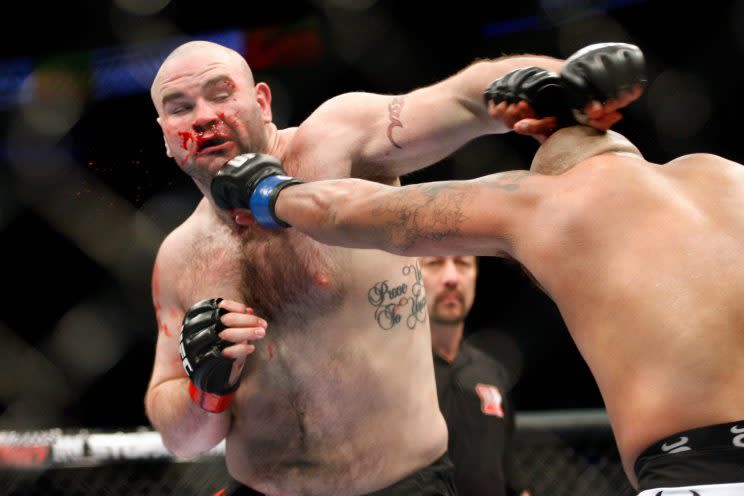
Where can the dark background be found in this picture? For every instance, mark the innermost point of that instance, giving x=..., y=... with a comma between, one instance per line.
x=87, y=193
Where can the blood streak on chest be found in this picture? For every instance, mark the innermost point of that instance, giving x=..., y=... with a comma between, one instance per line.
x=172, y=317
x=160, y=314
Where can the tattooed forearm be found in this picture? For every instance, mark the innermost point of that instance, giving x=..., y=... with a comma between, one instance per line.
x=394, y=108
x=431, y=212
x=508, y=181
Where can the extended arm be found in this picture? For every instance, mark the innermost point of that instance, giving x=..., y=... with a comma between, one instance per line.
x=479, y=216
x=378, y=136
x=382, y=137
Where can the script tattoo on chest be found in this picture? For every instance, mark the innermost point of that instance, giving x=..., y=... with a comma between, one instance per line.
x=399, y=304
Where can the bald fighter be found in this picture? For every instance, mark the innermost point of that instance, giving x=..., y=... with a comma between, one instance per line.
x=643, y=260
x=312, y=362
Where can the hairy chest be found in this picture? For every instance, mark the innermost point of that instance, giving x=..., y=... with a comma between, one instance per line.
x=283, y=276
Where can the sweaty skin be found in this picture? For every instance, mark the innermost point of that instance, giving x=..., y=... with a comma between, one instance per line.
x=338, y=397
x=643, y=261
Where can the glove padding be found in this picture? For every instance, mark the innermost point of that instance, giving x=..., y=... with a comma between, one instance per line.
x=596, y=72
x=201, y=348
x=601, y=71
x=542, y=89
x=252, y=181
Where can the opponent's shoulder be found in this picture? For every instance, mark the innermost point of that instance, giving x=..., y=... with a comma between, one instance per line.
x=519, y=190
x=703, y=160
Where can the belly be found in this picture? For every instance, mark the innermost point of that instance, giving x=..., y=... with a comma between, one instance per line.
x=329, y=418
x=339, y=397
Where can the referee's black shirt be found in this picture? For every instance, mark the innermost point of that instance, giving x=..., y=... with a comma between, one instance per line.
x=472, y=397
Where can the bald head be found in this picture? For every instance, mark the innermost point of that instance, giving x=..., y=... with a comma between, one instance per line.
x=195, y=53
x=571, y=145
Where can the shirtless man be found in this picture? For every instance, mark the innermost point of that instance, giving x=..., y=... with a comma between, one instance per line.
x=643, y=260
x=336, y=394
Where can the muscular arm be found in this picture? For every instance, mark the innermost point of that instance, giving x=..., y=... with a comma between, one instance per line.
x=186, y=429
x=379, y=137
x=477, y=217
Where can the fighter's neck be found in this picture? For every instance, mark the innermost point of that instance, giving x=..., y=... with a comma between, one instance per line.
x=279, y=144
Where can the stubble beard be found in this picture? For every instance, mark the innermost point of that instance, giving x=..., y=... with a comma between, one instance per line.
x=448, y=318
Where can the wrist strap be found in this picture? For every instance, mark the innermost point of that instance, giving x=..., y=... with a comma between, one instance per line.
x=210, y=402
x=264, y=197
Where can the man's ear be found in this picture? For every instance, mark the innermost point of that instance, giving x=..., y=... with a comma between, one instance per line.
x=167, y=147
x=263, y=97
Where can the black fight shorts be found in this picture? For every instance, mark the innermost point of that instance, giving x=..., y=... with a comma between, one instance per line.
x=438, y=479
x=712, y=455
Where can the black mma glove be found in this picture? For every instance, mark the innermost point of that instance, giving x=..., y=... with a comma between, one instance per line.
x=601, y=71
x=542, y=89
x=201, y=347
x=597, y=72
x=252, y=181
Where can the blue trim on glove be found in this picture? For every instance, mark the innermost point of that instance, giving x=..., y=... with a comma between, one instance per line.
x=261, y=199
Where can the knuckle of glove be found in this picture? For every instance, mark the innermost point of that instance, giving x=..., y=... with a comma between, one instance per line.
x=233, y=184
x=542, y=89
x=546, y=94
x=508, y=88
x=201, y=347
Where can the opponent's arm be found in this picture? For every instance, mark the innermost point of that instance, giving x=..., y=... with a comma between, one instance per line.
x=379, y=136
x=190, y=419
x=477, y=217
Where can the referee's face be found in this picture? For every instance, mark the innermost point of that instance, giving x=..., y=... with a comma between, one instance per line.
x=450, y=287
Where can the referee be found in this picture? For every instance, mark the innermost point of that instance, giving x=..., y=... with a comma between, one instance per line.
x=471, y=384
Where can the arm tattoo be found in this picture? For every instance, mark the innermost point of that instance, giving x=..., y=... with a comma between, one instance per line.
x=428, y=211
x=394, y=108
x=392, y=303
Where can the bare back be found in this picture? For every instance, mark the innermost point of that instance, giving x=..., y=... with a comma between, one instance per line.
x=644, y=263
x=339, y=398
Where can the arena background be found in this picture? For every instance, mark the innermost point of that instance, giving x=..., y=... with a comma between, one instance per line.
x=87, y=193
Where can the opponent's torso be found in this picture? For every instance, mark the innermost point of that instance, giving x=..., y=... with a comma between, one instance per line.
x=339, y=397
x=644, y=264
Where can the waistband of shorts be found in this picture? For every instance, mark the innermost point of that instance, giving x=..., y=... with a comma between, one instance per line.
x=733, y=489
x=442, y=465
x=435, y=478
x=708, y=437
x=712, y=449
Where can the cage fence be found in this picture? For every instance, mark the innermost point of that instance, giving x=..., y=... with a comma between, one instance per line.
x=557, y=453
